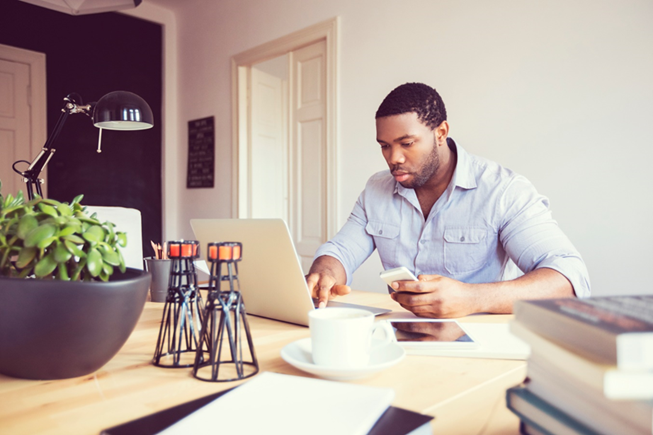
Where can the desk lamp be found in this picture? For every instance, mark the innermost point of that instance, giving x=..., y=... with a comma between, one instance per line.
x=83, y=7
x=118, y=110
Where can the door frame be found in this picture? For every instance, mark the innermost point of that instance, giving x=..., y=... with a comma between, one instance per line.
x=240, y=84
x=37, y=98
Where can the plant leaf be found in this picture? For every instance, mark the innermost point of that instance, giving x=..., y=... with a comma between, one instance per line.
x=74, y=249
x=25, y=257
x=68, y=230
x=45, y=266
x=39, y=234
x=26, y=224
x=109, y=255
x=48, y=209
x=94, y=262
x=64, y=209
x=122, y=266
x=94, y=234
x=74, y=238
x=61, y=253
x=45, y=242
x=122, y=239
x=107, y=269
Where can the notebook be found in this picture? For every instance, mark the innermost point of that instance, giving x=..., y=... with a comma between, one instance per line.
x=394, y=421
x=271, y=278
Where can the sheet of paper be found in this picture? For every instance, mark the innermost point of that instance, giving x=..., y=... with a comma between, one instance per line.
x=494, y=341
x=276, y=403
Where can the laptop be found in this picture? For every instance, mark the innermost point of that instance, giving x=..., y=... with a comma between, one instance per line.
x=271, y=278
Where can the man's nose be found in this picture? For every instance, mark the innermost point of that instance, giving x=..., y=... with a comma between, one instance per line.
x=396, y=156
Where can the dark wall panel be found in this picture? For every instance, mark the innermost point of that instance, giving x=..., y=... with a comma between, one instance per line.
x=93, y=55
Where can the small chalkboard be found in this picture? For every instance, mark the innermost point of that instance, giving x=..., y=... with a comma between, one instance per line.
x=201, y=153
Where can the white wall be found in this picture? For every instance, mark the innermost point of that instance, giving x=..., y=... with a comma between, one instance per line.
x=559, y=91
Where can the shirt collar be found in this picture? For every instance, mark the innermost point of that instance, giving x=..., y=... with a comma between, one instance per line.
x=463, y=175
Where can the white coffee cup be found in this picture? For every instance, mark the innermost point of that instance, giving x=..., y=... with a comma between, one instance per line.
x=342, y=337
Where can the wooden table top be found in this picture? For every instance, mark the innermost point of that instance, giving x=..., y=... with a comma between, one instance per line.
x=466, y=395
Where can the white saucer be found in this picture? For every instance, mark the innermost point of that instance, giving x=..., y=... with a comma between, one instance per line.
x=298, y=354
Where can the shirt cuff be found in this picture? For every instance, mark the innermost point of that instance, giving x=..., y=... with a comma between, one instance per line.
x=572, y=268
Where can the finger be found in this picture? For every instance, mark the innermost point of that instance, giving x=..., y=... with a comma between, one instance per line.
x=410, y=286
x=340, y=290
x=412, y=299
x=311, y=282
x=324, y=289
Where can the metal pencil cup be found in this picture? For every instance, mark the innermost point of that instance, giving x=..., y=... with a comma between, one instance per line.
x=181, y=323
x=225, y=321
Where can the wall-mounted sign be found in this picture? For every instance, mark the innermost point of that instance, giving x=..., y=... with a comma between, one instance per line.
x=201, y=153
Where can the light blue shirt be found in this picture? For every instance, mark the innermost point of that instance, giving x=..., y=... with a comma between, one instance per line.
x=487, y=216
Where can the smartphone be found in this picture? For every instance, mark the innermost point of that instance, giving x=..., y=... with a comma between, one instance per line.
x=434, y=333
x=397, y=274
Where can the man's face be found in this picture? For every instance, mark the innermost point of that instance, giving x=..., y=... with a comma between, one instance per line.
x=409, y=148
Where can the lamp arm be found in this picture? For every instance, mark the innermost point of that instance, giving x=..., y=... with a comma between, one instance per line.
x=72, y=105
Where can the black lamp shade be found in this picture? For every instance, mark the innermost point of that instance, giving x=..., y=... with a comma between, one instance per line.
x=83, y=7
x=122, y=110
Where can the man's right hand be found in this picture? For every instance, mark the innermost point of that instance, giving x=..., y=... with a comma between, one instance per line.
x=325, y=280
x=324, y=288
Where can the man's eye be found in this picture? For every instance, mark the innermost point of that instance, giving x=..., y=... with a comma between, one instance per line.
x=407, y=144
x=385, y=147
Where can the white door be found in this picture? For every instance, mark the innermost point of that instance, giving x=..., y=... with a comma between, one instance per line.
x=269, y=149
x=308, y=182
x=14, y=123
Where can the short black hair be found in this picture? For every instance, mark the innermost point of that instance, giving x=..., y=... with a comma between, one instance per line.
x=415, y=97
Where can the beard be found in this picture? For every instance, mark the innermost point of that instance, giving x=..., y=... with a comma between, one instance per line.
x=424, y=172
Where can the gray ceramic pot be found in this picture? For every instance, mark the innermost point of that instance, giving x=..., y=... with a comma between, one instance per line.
x=52, y=329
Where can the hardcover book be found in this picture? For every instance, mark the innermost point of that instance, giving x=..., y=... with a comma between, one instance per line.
x=539, y=417
x=603, y=379
x=615, y=330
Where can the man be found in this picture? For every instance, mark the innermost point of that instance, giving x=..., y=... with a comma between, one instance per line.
x=456, y=220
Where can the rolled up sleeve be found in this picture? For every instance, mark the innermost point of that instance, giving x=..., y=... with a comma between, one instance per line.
x=533, y=239
x=352, y=245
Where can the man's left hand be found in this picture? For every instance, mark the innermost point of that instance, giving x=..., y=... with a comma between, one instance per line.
x=435, y=296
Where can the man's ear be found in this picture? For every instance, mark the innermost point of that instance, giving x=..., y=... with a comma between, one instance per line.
x=441, y=132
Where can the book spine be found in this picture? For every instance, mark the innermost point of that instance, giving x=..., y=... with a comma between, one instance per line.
x=584, y=338
x=612, y=382
x=541, y=415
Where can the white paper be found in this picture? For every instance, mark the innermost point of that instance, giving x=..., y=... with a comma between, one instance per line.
x=276, y=403
x=494, y=341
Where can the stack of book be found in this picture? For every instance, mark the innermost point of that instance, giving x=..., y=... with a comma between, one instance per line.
x=591, y=366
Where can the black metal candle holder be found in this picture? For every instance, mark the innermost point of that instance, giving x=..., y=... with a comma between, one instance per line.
x=225, y=321
x=179, y=335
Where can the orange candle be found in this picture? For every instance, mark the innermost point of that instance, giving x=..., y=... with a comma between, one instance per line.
x=237, y=252
x=225, y=253
x=186, y=249
x=213, y=252
x=174, y=250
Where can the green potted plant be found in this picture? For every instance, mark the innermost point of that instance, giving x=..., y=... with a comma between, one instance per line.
x=67, y=301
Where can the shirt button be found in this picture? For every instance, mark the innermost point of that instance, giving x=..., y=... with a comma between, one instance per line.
x=380, y=232
x=462, y=239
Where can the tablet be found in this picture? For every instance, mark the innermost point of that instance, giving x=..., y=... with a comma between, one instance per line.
x=431, y=333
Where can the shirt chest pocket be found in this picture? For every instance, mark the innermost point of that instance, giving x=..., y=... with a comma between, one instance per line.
x=465, y=249
x=385, y=238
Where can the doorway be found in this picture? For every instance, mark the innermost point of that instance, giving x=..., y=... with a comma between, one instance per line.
x=285, y=131
x=22, y=113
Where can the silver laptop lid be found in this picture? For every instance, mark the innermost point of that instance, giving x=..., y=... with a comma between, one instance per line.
x=271, y=279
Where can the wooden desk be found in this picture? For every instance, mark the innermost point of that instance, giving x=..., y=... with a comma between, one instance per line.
x=465, y=395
